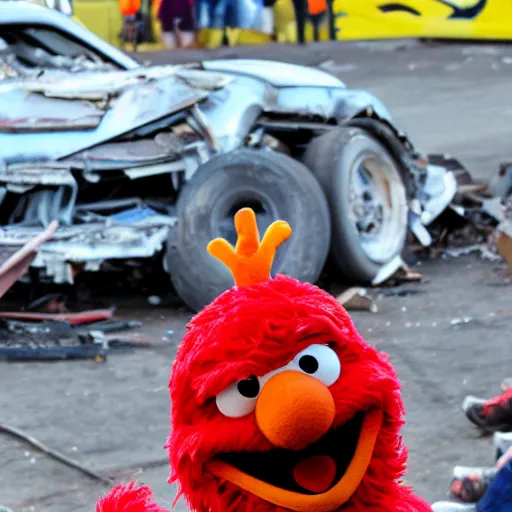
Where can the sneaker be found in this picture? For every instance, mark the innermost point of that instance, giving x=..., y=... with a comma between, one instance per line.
x=506, y=383
x=464, y=471
x=502, y=441
x=451, y=506
x=490, y=415
x=469, y=484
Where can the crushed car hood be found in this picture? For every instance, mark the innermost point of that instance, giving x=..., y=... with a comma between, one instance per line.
x=278, y=74
x=38, y=119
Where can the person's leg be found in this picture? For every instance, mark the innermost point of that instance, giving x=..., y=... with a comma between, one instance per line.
x=300, y=7
x=188, y=39
x=331, y=20
x=316, y=20
x=267, y=20
x=244, y=14
x=186, y=29
x=169, y=40
x=498, y=497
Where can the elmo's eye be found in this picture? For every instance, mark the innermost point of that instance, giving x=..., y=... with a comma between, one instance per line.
x=320, y=362
x=308, y=364
x=239, y=399
x=249, y=388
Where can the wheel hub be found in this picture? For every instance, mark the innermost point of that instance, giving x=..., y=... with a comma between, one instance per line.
x=376, y=204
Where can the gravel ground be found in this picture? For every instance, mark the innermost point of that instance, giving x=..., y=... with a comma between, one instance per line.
x=114, y=416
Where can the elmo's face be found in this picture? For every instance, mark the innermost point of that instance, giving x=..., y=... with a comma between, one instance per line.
x=279, y=404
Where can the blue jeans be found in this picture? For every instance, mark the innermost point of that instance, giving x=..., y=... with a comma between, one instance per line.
x=498, y=497
x=219, y=14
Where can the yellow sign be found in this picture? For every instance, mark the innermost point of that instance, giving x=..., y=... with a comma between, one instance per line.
x=388, y=19
x=464, y=19
x=352, y=20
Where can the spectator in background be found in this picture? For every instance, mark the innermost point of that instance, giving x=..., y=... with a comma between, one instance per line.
x=496, y=498
x=178, y=26
x=130, y=11
x=267, y=17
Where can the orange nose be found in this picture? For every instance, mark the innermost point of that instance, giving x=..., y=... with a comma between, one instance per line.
x=294, y=410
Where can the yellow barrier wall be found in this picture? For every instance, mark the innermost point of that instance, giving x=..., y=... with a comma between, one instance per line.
x=354, y=19
x=104, y=19
x=101, y=17
x=465, y=19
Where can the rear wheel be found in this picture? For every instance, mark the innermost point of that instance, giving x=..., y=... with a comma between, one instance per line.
x=367, y=199
x=276, y=187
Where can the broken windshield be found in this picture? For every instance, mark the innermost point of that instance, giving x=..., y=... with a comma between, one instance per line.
x=28, y=51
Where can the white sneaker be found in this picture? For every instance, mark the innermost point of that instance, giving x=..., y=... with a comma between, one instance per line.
x=502, y=441
x=471, y=400
x=460, y=472
x=506, y=383
x=452, y=506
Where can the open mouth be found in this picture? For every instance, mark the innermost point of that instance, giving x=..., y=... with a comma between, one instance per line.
x=329, y=458
x=319, y=478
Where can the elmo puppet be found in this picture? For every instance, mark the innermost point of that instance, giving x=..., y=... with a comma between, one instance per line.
x=278, y=403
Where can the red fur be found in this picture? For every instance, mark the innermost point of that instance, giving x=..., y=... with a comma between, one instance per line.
x=254, y=330
x=129, y=498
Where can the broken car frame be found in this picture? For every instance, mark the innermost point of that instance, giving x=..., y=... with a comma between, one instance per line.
x=132, y=160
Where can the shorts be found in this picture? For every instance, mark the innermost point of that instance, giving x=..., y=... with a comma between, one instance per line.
x=219, y=14
x=177, y=13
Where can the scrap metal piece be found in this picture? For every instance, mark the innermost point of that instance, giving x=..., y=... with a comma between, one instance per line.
x=440, y=187
x=419, y=230
x=501, y=183
x=117, y=340
x=356, y=299
x=142, y=98
x=147, y=151
x=483, y=249
x=96, y=351
x=388, y=270
x=199, y=79
x=504, y=243
x=48, y=124
x=143, y=171
x=111, y=326
x=84, y=317
x=494, y=208
x=18, y=264
x=138, y=232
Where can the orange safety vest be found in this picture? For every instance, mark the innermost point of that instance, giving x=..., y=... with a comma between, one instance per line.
x=317, y=6
x=129, y=7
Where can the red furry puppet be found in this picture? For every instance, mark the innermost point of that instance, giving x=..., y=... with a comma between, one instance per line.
x=278, y=403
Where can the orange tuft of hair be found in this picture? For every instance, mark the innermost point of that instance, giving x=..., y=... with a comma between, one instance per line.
x=250, y=261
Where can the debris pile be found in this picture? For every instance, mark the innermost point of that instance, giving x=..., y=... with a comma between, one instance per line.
x=26, y=336
x=55, y=334
x=478, y=220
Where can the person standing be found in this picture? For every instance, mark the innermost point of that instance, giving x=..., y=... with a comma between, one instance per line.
x=130, y=11
x=178, y=25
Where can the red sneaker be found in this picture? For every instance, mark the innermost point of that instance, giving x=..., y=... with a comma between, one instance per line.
x=493, y=415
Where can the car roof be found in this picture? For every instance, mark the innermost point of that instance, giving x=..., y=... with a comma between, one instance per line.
x=20, y=12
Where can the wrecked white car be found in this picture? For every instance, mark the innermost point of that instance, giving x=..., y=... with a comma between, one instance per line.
x=134, y=161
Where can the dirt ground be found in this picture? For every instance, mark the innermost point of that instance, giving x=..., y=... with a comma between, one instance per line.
x=113, y=417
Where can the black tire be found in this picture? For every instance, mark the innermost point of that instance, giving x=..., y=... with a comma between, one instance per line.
x=331, y=157
x=286, y=189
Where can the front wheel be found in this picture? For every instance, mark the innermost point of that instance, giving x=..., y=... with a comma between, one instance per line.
x=276, y=187
x=367, y=199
